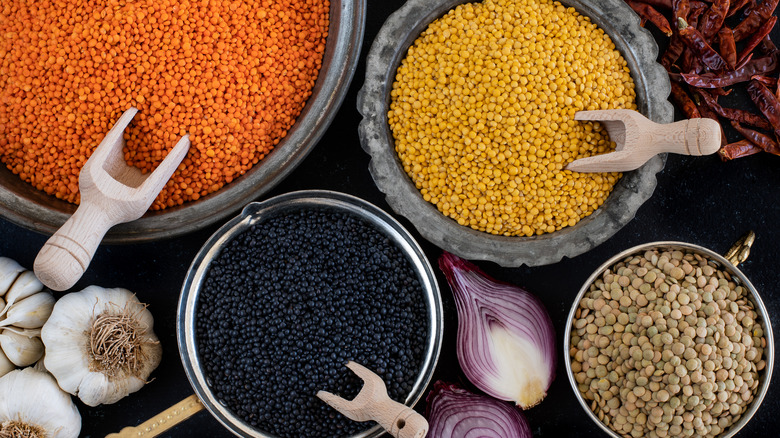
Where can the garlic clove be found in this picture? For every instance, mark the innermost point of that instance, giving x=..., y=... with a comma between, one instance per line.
x=97, y=388
x=25, y=285
x=34, y=332
x=32, y=398
x=67, y=362
x=31, y=312
x=9, y=270
x=20, y=349
x=6, y=366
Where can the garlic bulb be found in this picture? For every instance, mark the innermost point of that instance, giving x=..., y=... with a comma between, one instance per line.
x=32, y=405
x=100, y=345
x=24, y=307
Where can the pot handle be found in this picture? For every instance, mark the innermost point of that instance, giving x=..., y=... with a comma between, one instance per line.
x=740, y=251
x=162, y=421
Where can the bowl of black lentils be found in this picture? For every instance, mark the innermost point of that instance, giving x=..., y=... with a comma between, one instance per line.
x=282, y=296
x=669, y=339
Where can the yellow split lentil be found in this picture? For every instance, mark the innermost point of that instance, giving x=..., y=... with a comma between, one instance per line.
x=482, y=114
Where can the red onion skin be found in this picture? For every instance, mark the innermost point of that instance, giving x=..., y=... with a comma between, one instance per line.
x=482, y=301
x=454, y=412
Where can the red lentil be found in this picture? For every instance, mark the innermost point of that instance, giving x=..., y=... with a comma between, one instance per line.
x=232, y=74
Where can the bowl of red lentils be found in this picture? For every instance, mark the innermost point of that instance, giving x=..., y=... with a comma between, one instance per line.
x=468, y=116
x=255, y=85
x=669, y=339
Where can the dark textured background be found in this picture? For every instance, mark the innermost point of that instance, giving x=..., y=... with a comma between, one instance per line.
x=698, y=200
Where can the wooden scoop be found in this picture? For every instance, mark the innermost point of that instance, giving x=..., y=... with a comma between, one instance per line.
x=111, y=193
x=638, y=139
x=372, y=403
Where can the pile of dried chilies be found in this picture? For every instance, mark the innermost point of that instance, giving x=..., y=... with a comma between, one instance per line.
x=705, y=55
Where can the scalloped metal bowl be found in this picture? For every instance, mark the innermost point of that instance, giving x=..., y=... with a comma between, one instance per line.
x=22, y=204
x=390, y=46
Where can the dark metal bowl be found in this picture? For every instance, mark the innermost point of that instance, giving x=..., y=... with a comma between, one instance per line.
x=297, y=201
x=28, y=207
x=634, y=188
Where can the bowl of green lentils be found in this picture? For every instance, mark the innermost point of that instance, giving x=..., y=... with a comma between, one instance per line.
x=669, y=339
x=468, y=116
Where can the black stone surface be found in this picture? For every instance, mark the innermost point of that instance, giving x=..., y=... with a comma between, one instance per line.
x=698, y=200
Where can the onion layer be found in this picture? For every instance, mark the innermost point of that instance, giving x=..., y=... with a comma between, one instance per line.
x=506, y=340
x=454, y=412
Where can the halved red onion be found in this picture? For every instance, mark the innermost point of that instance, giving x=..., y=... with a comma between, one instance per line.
x=506, y=340
x=454, y=412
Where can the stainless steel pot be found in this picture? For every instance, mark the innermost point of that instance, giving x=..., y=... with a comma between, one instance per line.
x=728, y=263
x=255, y=212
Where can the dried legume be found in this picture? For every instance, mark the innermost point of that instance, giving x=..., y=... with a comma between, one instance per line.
x=232, y=74
x=482, y=114
x=289, y=301
x=693, y=370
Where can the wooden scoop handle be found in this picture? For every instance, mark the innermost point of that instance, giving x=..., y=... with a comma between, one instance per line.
x=400, y=420
x=697, y=137
x=162, y=421
x=67, y=254
x=373, y=403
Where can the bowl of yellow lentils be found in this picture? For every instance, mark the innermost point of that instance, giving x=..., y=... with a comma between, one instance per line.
x=468, y=116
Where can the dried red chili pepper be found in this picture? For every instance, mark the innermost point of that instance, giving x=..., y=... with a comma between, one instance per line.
x=766, y=80
x=690, y=63
x=735, y=114
x=755, y=15
x=757, y=37
x=664, y=4
x=673, y=52
x=712, y=20
x=684, y=101
x=681, y=9
x=735, y=6
x=764, y=65
x=728, y=48
x=767, y=47
x=738, y=149
x=650, y=14
x=758, y=139
x=698, y=45
x=744, y=61
x=766, y=102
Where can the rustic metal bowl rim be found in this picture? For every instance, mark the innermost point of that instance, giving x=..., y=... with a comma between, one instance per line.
x=733, y=270
x=257, y=211
x=390, y=46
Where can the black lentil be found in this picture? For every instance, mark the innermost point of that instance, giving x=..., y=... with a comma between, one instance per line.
x=289, y=301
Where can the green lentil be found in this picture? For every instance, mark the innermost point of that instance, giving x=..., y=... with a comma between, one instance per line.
x=684, y=356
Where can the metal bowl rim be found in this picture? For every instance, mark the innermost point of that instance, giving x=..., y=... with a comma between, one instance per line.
x=769, y=351
x=255, y=211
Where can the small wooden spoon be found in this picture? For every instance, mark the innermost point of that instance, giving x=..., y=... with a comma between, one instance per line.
x=638, y=139
x=372, y=403
x=111, y=193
